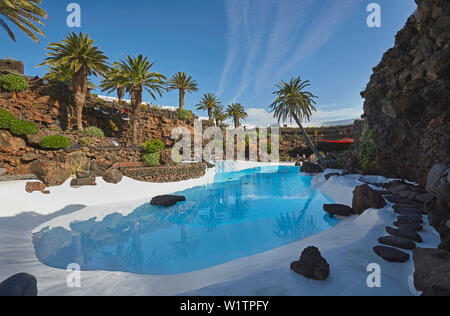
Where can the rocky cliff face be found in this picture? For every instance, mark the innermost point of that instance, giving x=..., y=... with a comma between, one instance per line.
x=407, y=101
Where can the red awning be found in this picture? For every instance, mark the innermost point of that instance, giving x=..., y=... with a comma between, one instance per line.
x=339, y=141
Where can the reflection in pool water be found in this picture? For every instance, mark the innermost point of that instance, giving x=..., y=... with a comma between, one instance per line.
x=240, y=214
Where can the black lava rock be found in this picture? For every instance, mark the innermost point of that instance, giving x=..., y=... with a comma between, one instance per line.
x=309, y=167
x=312, y=265
x=338, y=210
x=22, y=284
x=391, y=254
x=167, y=200
x=397, y=242
x=405, y=233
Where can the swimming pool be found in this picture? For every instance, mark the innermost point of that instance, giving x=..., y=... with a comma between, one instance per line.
x=240, y=214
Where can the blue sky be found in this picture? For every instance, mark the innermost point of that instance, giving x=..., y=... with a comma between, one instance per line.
x=237, y=48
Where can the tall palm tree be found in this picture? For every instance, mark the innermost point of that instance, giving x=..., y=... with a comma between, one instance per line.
x=219, y=115
x=208, y=103
x=184, y=83
x=237, y=112
x=135, y=77
x=294, y=103
x=24, y=14
x=114, y=82
x=84, y=59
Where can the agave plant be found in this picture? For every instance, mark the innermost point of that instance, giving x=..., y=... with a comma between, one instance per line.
x=184, y=83
x=135, y=76
x=237, y=112
x=293, y=102
x=83, y=59
x=208, y=103
x=25, y=15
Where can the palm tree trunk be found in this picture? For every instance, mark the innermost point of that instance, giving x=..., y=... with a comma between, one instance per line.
x=236, y=122
x=182, y=93
x=79, y=95
x=120, y=94
x=322, y=161
x=136, y=100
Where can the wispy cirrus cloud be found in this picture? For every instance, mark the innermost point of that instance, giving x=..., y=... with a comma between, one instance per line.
x=289, y=19
x=237, y=15
x=267, y=38
x=321, y=31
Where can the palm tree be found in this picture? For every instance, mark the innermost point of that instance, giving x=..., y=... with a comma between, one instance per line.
x=114, y=82
x=237, y=112
x=25, y=14
x=208, y=103
x=135, y=77
x=78, y=53
x=293, y=102
x=184, y=83
x=219, y=115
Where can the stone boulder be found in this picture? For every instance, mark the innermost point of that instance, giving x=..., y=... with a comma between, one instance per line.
x=78, y=161
x=397, y=242
x=51, y=173
x=35, y=140
x=113, y=175
x=391, y=254
x=364, y=197
x=167, y=200
x=338, y=210
x=309, y=167
x=312, y=265
x=10, y=143
x=405, y=232
x=80, y=182
x=98, y=168
x=29, y=157
x=438, y=183
x=3, y=172
x=329, y=175
x=21, y=284
x=432, y=269
x=31, y=187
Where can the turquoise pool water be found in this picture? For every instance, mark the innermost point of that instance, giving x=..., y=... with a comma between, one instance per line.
x=240, y=214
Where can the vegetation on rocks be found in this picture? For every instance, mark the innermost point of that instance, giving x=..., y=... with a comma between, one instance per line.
x=55, y=142
x=368, y=151
x=93, y=131
x=184, y=115
x=23, y=128
x=152, y=152
x=153, y=146
x=17, y=127
x=13, y=83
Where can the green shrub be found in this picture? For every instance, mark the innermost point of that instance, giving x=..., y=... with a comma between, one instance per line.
x=151, y=159
x=15, y=126
x=153, y=146
x=93, y=131
x=341, y=163
x=368, y=151
x=13, y=83
x=55, y=142
x=6, y=119
x=23, y=128
x=85, y=141
x=184, y=115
